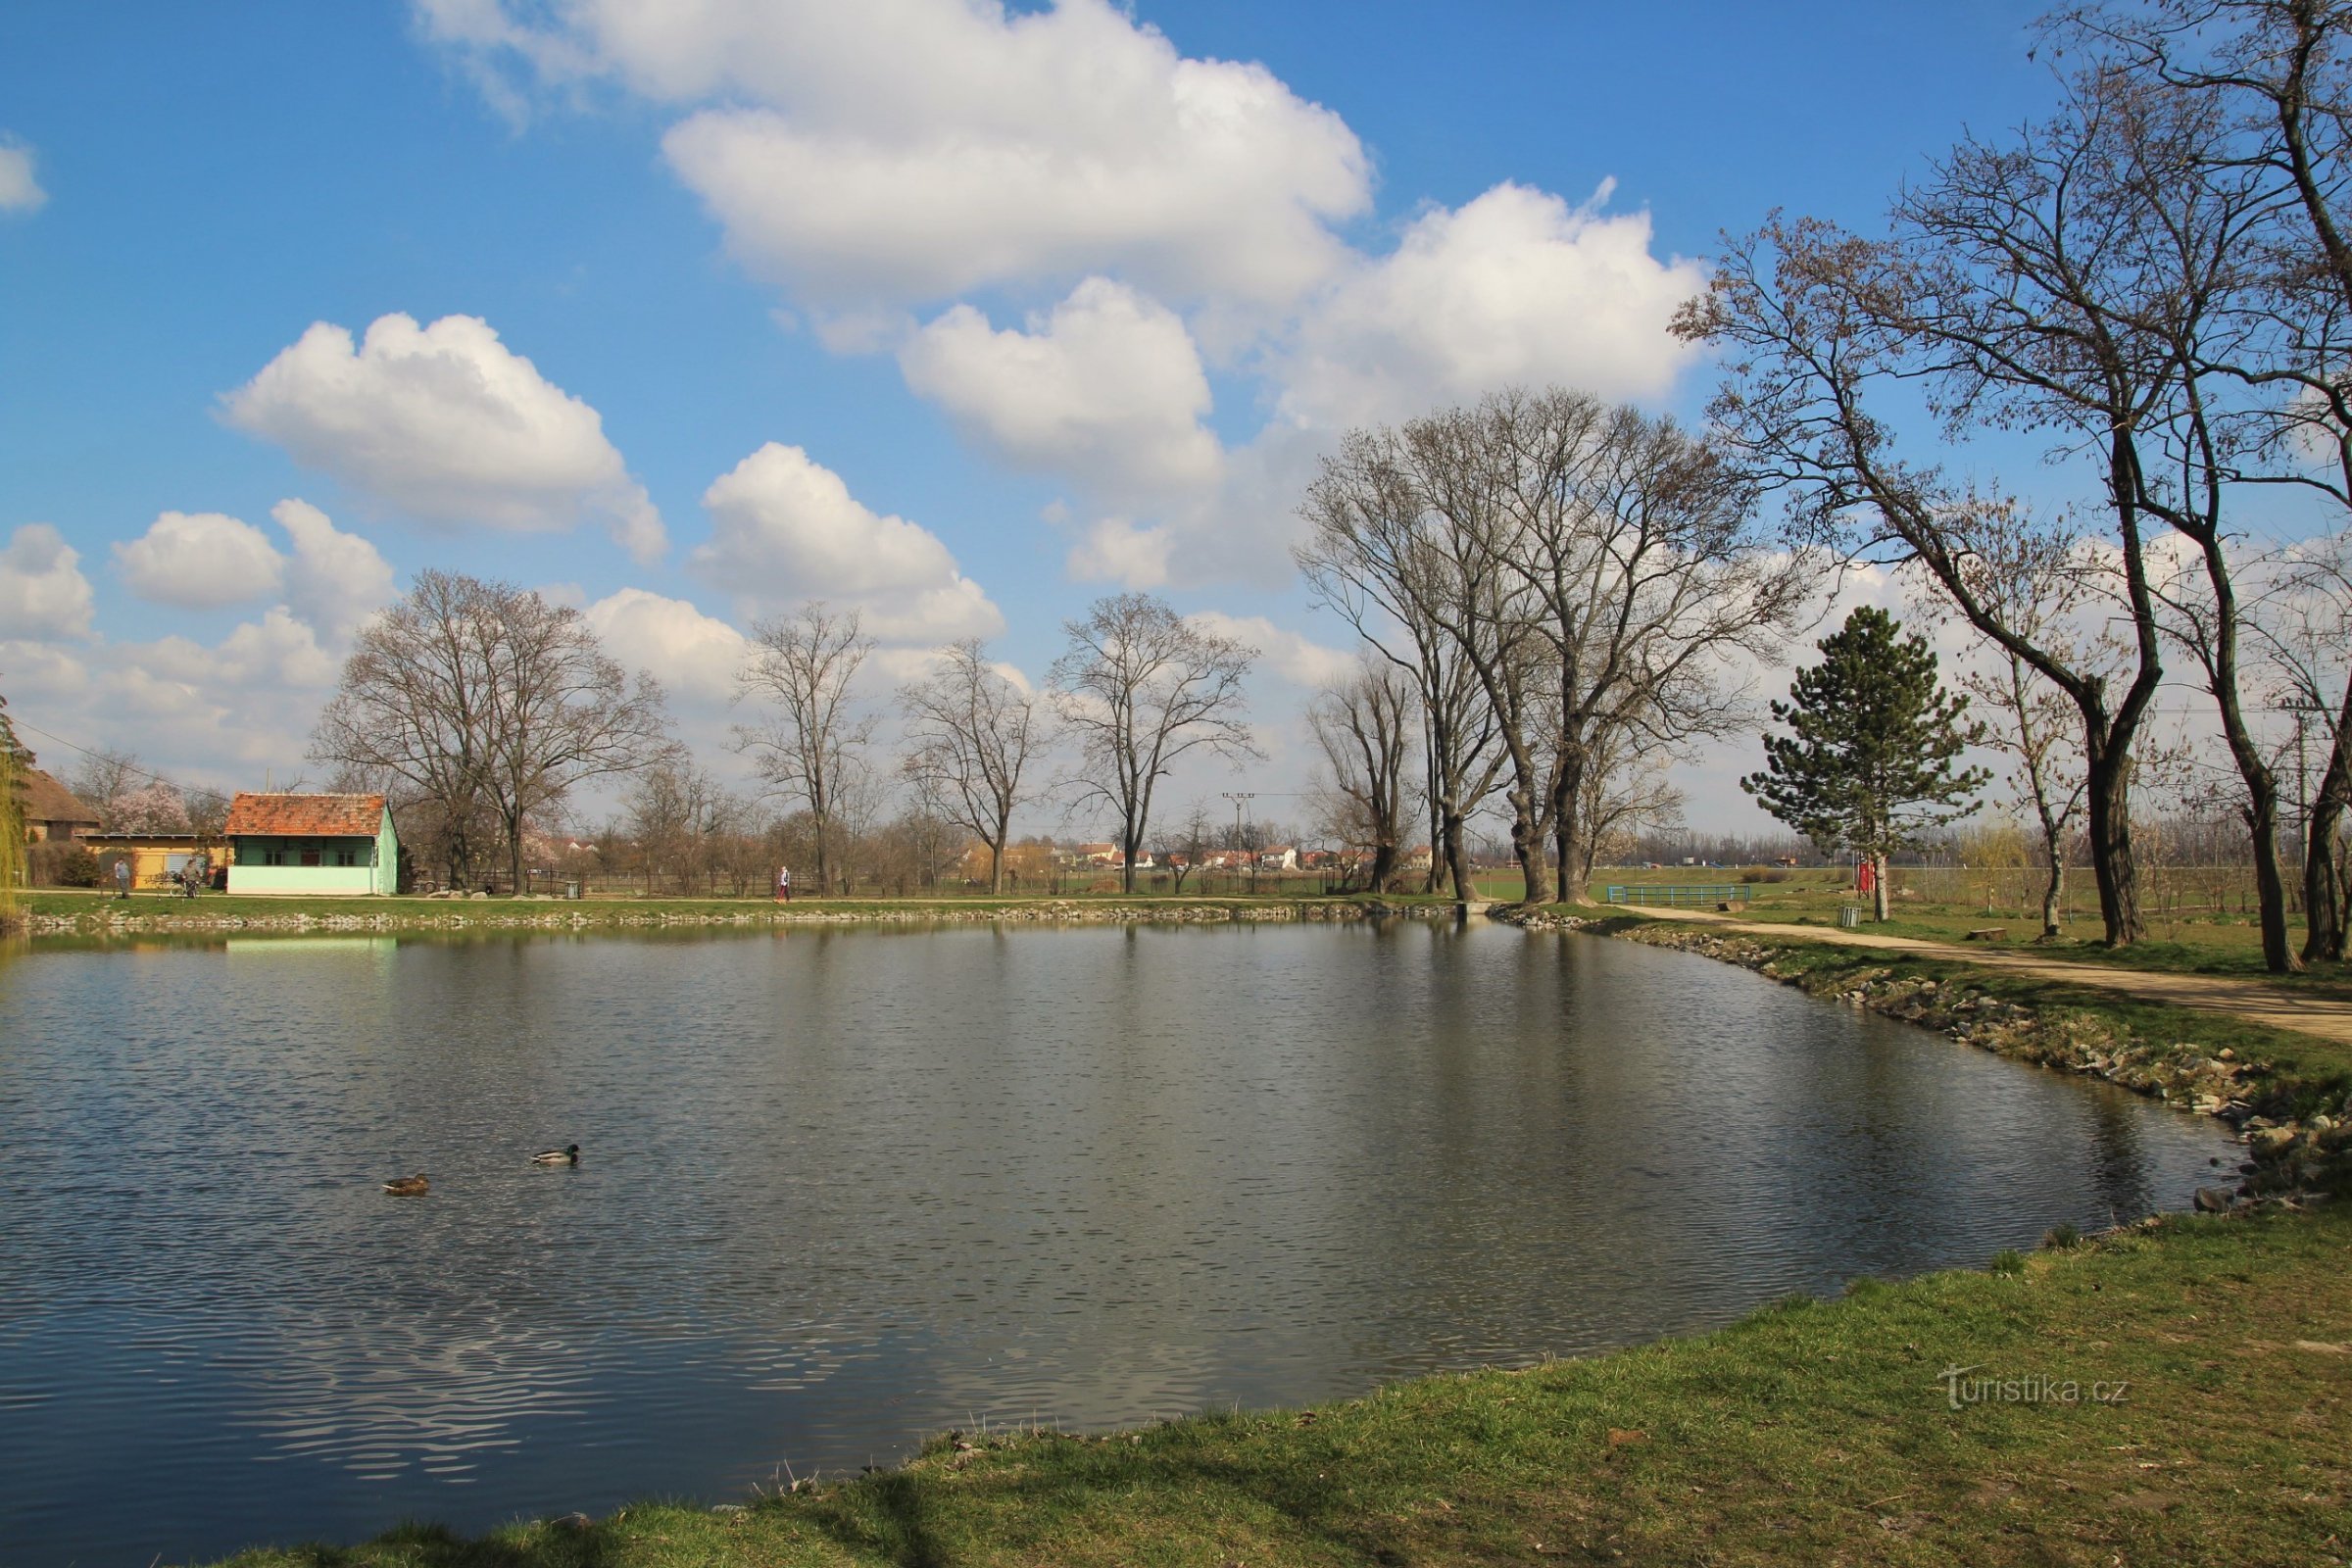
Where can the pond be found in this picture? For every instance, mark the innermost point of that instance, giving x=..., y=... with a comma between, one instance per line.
x=845, y=1187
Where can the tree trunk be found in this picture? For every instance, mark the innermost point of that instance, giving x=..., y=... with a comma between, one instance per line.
x=2324, y=890
x=1457, y=865
x=1384, y=864
x=2052, y=894
x=1527, y=848
x=1568, y=827
x=1877, y=887
x=2107, y=820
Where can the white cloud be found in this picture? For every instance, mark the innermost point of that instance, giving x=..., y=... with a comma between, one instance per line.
x=1296, y=658
x=447, y=424
x=333, y=580
x=786, y=528
x=42, y=591
x=1116, y=549
x=20, y=191
x=200, y=561
x=1107, y=387
x=914, y=149
x=205, y=560
x=694, y=656
x=1514, y=287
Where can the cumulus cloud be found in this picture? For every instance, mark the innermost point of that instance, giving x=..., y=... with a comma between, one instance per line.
x=1296, y=658
x=694, y=656
x=1515, y=287
x=20, y=191
x=1107, y=386
x=335, y=580
x=200, y=561
x=786, y=528
x=916, y=149
x=448, y=426
x=43, y=594
x=1118, y=549
x=206, y=560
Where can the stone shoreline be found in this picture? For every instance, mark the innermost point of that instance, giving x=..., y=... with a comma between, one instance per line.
x=2291, y=1159
x=557, y=915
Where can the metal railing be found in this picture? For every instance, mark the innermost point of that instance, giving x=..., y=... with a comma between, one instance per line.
x=1672, y=893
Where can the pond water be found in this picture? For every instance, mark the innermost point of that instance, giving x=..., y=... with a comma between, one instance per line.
x=842, y=1189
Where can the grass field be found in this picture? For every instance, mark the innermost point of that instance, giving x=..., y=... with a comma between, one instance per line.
x=2178, y=1395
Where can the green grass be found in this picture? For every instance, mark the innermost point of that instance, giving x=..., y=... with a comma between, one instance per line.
x=2216, y=944
x=1811, y=1433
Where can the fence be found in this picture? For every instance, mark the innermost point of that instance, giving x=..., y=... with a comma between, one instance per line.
x=1673, y=893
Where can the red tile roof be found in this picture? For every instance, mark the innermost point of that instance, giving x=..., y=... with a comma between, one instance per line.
x=306, y=817
x=48, y=801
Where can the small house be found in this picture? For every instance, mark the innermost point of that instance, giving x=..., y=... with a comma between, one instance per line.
x=51, y=811
x=312, y=844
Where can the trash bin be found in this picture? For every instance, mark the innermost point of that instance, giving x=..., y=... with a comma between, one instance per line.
x=572, y=890
x=1849, y=916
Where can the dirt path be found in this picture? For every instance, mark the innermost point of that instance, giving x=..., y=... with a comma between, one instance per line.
x=2250, y=1000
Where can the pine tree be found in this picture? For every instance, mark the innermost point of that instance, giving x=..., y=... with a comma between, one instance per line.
x=1873, y=765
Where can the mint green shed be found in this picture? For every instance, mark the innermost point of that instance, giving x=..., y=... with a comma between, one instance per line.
x=313, y=844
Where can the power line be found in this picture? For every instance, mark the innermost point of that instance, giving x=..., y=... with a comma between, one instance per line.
x=128, y=768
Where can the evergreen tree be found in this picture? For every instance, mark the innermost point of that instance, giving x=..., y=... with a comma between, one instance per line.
x=1871, y=767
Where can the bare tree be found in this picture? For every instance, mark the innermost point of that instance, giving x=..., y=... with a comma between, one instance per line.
x=1370, y=557
x=414, y=705
x=1647, y=581
x=2309, y=637
x=971, y=734
x=804, y=666
x=1367, y=727
x=104, y=777
x=1824, y=327
x=561, y=713
x=1627, y=792
x=1185, y=847
x=488, y=701
x=1141, y=687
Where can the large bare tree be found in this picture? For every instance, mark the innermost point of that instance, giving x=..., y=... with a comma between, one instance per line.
x=1369, y=556
x=804, y=667
x=971, y=735
x=1648, y=585
x=487, y=701
x=1140, y=687
x=1367, y=725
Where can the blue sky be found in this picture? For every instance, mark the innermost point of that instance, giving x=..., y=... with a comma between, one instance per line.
x=1019, y=329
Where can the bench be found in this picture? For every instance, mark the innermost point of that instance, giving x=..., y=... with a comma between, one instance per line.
x=1987, y=933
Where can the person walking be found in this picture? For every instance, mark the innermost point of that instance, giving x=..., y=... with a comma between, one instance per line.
x=783, y=884
x=122, y=877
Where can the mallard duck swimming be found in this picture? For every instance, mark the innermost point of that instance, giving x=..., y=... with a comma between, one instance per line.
x=408, y=1186
x=570, y=1154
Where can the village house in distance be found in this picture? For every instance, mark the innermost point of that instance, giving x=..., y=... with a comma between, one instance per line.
x=312, y=844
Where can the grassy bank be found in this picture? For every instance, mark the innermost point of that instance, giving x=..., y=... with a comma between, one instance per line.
x=87, y=913
x=2058, y=1025
x=2199, y=942
x=1809, y=1434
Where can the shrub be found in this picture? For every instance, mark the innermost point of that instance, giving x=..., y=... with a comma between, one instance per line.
x=2061, y=1238
x=2008, y=1260
x=64, y=865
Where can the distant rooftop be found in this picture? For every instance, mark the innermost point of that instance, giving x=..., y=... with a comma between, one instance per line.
x=304, y=817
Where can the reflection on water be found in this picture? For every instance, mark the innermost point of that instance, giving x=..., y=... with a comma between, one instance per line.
x=845, y=1187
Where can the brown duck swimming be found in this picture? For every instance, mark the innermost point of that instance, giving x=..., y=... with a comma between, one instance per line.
x=408, y=1186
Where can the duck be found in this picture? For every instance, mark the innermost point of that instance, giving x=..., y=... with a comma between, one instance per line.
x=408, y=1186
x=570, y=1154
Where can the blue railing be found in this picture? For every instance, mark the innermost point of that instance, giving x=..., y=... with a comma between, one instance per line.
x=1679, y=892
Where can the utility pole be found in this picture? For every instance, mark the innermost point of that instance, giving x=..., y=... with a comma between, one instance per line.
x=1238, y=797
x=2302, y=708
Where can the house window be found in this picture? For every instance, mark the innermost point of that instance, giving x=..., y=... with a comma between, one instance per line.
x=273, y=857
x=345, y=857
